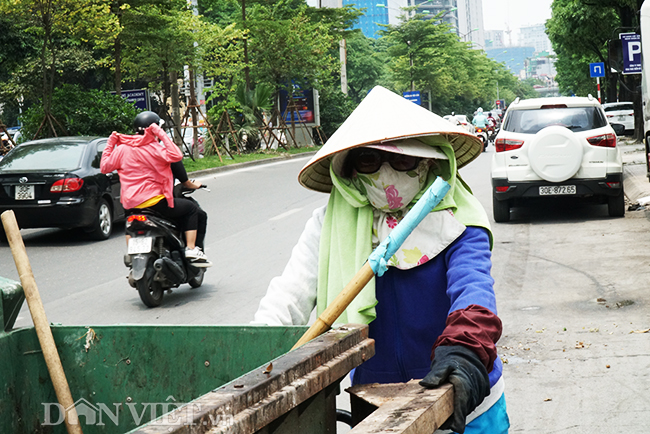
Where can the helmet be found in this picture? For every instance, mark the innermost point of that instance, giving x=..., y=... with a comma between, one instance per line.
x=480, y=110
x=145, y=119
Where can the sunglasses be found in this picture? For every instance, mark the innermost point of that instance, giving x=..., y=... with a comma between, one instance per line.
x=368, y=160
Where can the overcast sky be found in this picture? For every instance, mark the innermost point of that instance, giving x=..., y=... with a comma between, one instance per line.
x=501, y=14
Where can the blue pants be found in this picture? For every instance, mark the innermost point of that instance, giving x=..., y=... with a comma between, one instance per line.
x=493, y=421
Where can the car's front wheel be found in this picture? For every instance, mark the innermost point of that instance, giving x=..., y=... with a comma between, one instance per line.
x=102, y=227
x=500, y=210
x=616, y=205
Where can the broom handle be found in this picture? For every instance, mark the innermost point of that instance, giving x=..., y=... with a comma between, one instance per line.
x=42, y=326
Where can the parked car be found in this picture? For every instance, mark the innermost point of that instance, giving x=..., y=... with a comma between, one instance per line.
x=550, y=147
x=620, y=113
x=57, y=183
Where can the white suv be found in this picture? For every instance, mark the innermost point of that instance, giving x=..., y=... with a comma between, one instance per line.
x=550, y=147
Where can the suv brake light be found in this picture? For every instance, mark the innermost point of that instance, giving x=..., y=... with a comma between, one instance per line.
x=604, y=140
x=67, y=185
x=502, y=145
x=553, y=106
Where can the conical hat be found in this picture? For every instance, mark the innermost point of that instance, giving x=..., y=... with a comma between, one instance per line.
x=385, y=116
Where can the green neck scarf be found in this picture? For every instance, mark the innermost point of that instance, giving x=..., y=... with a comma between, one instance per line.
x=346, y=237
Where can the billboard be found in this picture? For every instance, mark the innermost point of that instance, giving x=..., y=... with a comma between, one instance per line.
x=138, y=97
x=306, y=104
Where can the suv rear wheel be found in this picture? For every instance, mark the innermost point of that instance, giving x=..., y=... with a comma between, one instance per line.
x=616, y=205
x=500, y=210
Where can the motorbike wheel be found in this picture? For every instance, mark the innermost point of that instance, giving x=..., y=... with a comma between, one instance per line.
x=151, y=292
x=197, y=280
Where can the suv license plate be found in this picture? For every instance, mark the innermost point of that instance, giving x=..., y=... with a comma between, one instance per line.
x=557, y=190
x=140, y=245
x=24, y=192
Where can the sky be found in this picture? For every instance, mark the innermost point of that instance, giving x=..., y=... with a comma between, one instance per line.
x=513, y=14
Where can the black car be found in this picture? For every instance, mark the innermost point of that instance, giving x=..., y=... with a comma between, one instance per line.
x=57, y=183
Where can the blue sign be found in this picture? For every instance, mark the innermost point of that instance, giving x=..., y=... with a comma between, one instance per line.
x=631, y=53
x=139, y=98
x=597, y=69
x=413, y=96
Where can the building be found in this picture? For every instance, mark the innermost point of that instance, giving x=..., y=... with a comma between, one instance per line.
x=494, y=39
x=465, y=16
x=535, y=36
x=470, y=22
x=513, y=57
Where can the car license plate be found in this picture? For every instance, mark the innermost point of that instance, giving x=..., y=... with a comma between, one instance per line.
x=621, y=118
x=140, y=245
x=24, y=192
x=557, y=190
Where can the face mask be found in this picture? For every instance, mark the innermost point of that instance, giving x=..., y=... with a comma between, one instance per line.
x=390, y=190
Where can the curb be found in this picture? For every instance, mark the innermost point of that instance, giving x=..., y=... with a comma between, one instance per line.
x=236, y=166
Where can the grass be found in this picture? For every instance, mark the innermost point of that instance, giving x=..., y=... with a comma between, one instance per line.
x=213, y=160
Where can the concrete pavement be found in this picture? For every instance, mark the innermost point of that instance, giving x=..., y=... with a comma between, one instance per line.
x=635, y=180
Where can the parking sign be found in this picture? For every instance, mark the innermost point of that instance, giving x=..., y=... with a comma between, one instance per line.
x=631, y=53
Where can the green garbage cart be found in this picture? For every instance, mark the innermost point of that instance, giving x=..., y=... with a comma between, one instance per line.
x=180, y=379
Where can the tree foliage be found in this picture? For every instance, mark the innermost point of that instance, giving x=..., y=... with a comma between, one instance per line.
x=83, y=112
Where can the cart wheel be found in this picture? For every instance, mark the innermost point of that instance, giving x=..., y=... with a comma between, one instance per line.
x=344, y=416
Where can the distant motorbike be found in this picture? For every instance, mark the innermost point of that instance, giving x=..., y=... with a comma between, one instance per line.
x=482, y=133
x=492, y=134
x=156, y=256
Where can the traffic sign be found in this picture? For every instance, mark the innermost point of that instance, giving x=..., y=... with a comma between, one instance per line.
x=413, y=96
x=631, y=53
x=597, y=69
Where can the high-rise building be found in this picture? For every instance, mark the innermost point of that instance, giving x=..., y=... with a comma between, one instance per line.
x=470, y=22
x=535, y=36
x=494, y=39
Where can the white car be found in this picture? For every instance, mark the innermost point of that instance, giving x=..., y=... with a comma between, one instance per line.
x=620, y=113
x=465, y=123
x=550, y=147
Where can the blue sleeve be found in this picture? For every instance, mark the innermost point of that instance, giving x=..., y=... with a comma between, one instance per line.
x=468, y=271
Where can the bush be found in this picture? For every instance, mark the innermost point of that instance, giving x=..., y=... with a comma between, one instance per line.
x=82, y=113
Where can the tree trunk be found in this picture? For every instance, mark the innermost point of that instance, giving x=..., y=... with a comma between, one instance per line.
x=117, y=52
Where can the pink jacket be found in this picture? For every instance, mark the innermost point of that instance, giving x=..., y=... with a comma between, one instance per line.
x=143, y=165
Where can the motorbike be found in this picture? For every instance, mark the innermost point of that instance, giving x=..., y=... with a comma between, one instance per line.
x=492, y=134
x=482, y=133
x=156, y=256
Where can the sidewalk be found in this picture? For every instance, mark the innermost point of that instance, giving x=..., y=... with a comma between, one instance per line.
x=635, y=180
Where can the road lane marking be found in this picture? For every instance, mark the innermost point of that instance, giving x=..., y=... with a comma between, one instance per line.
x=285, y=214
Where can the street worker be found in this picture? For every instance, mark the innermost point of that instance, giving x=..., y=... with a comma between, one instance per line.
x=143, y=164
x=480, y=120
x=433, y=313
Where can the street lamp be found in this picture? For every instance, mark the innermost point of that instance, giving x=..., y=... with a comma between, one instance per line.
x=464, y=35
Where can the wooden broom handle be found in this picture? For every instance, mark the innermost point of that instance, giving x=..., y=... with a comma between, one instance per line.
x=41, y=324
x=338, y=305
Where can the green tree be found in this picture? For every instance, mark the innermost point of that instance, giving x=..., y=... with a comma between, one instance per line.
x=365, y=65
x=83, y=112
x=55, y=27
x=294, y=49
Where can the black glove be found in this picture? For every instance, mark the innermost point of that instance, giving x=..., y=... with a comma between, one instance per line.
x=461, y=367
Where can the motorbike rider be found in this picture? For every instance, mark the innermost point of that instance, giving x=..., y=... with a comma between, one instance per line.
x=179, y=173
x=492, y=122
x=480, y=120
x=143, y=164
x=437, y=290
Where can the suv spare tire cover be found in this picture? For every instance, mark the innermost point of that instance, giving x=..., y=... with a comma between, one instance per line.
x=555, y=153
